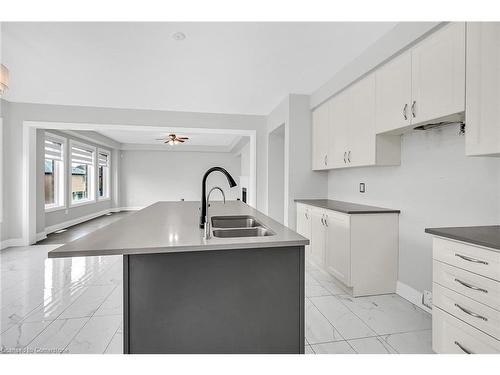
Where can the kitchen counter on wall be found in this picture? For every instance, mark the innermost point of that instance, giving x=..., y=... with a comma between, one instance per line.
x=487, y=236
x=167, y=227
x=346, y=207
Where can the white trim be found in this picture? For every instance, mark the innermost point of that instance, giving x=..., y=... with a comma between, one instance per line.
x=41, y=236
x=78, y=220
x=12, y=242
x=82, y=202
x=137, y=208
x=72, y=133
x=55, y=208
x=412, y=295
x=108, y=177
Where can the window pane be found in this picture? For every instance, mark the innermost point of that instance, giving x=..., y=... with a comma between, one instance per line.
x=49, y=182
x=79, y=181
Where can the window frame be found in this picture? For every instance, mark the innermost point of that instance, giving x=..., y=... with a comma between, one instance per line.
x=107, y=188
x=60, y=181
x=92, y=175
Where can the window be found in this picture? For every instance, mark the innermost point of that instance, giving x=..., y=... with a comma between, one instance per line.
x=82, y=173
x=103, y=188
x=54, y=172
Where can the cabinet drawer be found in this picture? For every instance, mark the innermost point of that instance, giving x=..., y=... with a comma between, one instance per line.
x=476, y=314
x=480, y=289
x=471, y=258
x=452, y=336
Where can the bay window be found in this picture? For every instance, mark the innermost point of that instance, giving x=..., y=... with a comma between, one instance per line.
x=54, y=181
x=82, y=173
x=103, y=175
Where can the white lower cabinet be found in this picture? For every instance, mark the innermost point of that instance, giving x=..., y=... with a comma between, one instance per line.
x=360, y=250
x=466, y=298
x=304, y=225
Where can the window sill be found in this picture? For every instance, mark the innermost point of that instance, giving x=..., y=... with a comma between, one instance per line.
x=82, y=203
x=55, y=208
x=103, y=199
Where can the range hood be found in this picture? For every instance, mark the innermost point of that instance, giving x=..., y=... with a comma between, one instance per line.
x=441, y=124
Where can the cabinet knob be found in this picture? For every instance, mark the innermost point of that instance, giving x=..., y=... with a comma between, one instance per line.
x=413, y=105
x=404, y=111
x=326, y=159
x=349, y=156
x=344, y=157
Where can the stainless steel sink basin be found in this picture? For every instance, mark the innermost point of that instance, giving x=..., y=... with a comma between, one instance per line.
x=243, y=232
x=242, y=221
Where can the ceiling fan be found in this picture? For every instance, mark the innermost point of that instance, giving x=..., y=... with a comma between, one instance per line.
x=173, y=139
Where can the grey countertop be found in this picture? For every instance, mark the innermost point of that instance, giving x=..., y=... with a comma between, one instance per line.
x=487, y=236
x=166, y=227
x=346, y=207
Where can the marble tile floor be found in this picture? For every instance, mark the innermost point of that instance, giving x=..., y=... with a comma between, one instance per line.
x=74, y=305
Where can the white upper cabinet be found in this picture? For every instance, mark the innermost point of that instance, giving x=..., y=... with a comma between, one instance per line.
x=320, y=146
x=482, y=133
x=438, y=74
x=393, y=94
x=361, y=132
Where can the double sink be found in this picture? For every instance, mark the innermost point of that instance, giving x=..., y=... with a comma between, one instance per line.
x=239, y=226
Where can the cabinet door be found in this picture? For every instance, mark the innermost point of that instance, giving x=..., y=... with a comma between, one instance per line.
x=482, y=136
x=393, y=94
x=320, y=137
x=338, y=248
x=318, y=237
x=340, y=108
x=304, y=225
x=438, y=74
x=361, y=131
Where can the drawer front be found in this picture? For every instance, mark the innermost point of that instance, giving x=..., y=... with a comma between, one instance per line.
x=452, y=336
x=476, y=314
x=480, y=289
x=471, y=258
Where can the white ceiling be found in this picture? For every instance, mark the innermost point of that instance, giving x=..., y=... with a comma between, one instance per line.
x=148, y=137
x=245, y=68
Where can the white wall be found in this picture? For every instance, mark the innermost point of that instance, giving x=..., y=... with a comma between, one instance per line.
x=300, y=180
x=435, y=186
x=14, y=114
x=276, y=174
x=151, y=176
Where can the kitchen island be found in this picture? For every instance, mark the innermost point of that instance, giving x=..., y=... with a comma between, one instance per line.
x=187, y=294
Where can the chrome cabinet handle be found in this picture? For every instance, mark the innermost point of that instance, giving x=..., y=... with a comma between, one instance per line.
x=349, y=156
x=404, y=111
x=345, y=153
x=322, y=222
x=468, y=312
x=471, y=286
x=306, y=215
x=326, y=221
x=462, y=348
x=413, y=108
x=326, y=159
x=469, y=259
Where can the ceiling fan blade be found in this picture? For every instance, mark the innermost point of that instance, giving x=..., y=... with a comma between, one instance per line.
x=185, y=138
x=180, y=140
x=159, y=139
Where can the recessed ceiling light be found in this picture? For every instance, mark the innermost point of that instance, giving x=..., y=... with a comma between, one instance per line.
x=178, y=36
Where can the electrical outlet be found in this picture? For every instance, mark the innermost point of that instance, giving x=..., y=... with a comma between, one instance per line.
x=427, y=299
x=362, y=187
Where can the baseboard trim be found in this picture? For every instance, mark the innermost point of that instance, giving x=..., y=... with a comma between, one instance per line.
x=41, y=236
x=136, y=208
x=11, y=242
x=412, y=295
x=78, y=220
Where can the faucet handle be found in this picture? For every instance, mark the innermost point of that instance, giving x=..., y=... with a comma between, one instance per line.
x=207, y=234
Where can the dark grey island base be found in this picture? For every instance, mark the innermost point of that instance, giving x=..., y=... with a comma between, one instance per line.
x=228, y=301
